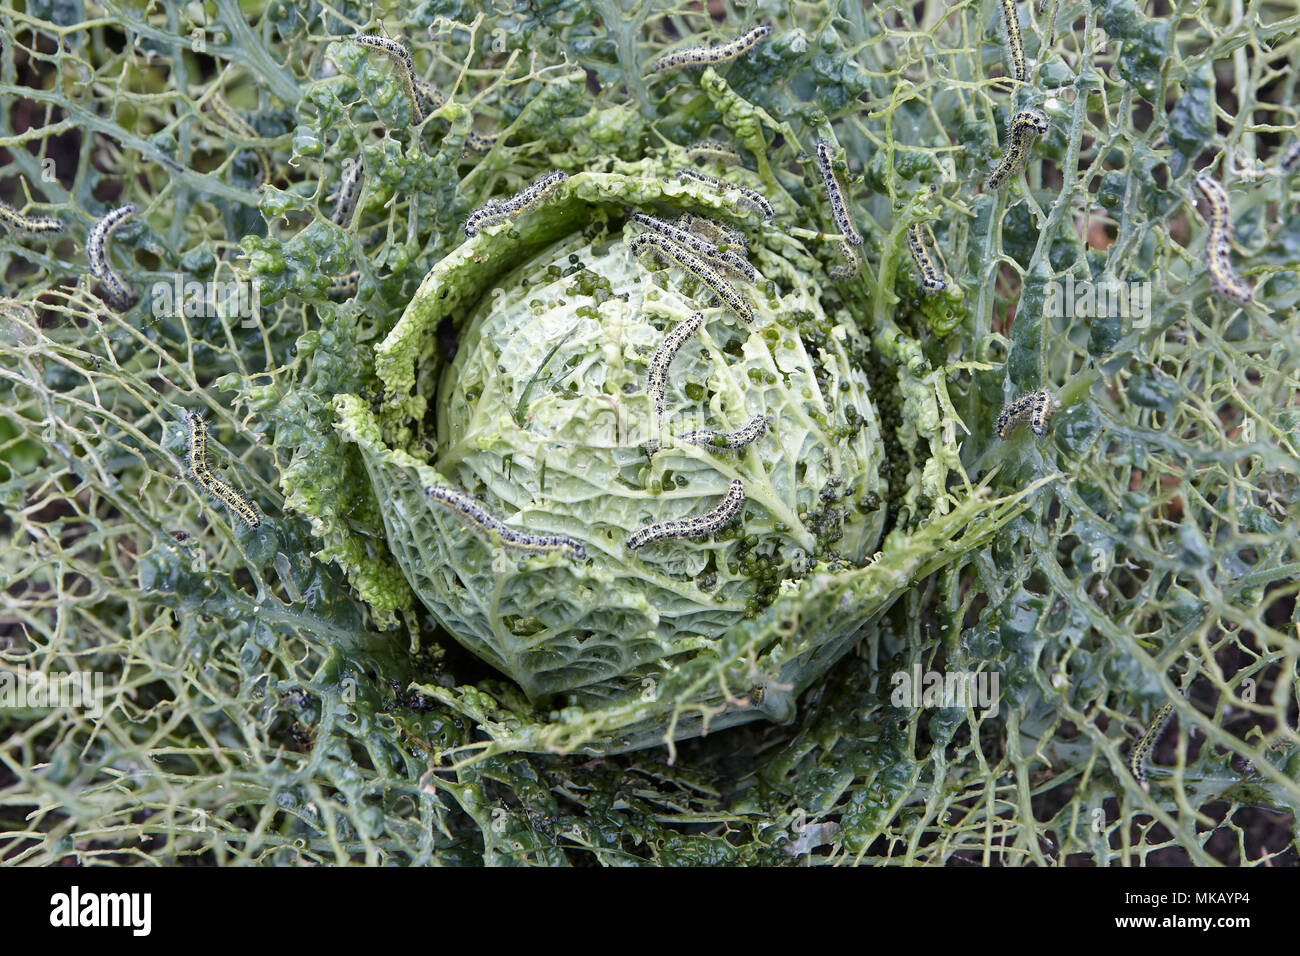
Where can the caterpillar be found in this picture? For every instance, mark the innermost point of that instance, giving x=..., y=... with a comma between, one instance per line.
x=1025, y=125
x=1015, y=43
x=747, y=434
x=750, y=197
x=708, y=55
x=350, y=186
x=711, y=149
x=429, y=94
x=1034, y=409
x=120, y=295
x=12, y=218
x=852, y=266
x=401, y=56
x=839, y=207
x=495, y=530
x=696, y=526
x=656, y=384
x=1142, y=750
x=481, y=142
x=698, y=245
x=197, y=464
x=498, y=210
x=346, y=284
x=1223, y=280
x=712, y=229
x=1291, y=157
x=433, y=98
x=930, y=277
x=697, y=267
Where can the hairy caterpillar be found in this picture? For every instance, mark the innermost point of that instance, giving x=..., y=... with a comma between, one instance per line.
x=839, y=206
x=12, y=218
x=852, y=266
x=433, y=98
x=698, y=245
x=345, y=284
x=930, y=277
x=197, y=463
x=708, y=55
x=711, y=149
x=1025, y=125
x=120, y=295
x=1142, y=750
x=354, y=178
x=481, y=142
x=747, y=434
x=401, y=56
x=752, y=198
x=494, y=529
x=696, y=526
x=1291, y=157
x=429, y=94
x=656, y=384
x=712, y=229
x=1034, y=409
x=499, y=210
x=1015, y=43
x=1223, y=279
x=697, y=267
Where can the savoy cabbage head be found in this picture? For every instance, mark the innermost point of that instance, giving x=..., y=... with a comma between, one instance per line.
x=362, y=674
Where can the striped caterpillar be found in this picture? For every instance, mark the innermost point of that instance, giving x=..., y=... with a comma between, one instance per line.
x=1034, y=409
x=197, y=464
x=1142, y=750
x=747, y=434
x=930, y=277
x=656, y=384
x=481, y=142
x=696, y=526
x=698, y=245
x=432, y=96
x=1015, y=43
x=697, y=267
x=400, y=56
x=493, y=529
x=712, y=229
x=499, y=210
x=1025, y=125
x=120, y=295
x=429, y=93
x=752, y=198
x=710, y=149
x=1223, y=280
x=839, y=207
x=709, y=55
x=852, y=266
x=350, y=186
x=346, y=284
x=12, y=218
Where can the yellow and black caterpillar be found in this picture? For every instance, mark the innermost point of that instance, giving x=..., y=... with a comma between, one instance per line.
x=1034, y=409
x=197, y=465
x=695, y=526
x=1025, y=126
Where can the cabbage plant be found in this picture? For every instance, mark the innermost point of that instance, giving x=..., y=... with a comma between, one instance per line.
x=544, y=414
